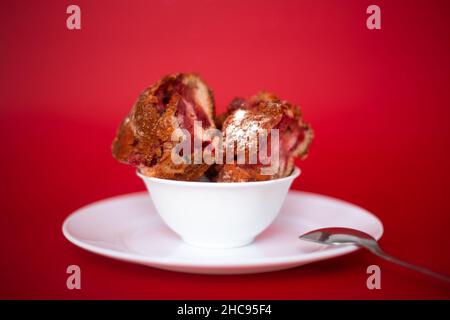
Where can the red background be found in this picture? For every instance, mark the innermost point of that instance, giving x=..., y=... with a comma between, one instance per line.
x=378, y=100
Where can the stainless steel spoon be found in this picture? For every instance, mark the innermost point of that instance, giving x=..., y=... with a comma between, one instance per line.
x=342, y=236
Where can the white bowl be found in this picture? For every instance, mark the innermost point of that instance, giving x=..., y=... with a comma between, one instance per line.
x=218, y=214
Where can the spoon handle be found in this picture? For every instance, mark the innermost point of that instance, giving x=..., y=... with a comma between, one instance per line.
x=377, y=250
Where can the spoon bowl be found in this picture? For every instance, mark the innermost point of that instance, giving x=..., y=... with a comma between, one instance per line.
x=338, y=236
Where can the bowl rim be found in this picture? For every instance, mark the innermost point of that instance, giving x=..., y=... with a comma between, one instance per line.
x=295, y=173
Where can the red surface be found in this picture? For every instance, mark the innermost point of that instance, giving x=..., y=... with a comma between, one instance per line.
x=378, y=100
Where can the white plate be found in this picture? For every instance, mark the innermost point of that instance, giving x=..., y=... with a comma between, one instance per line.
x=128, y=228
